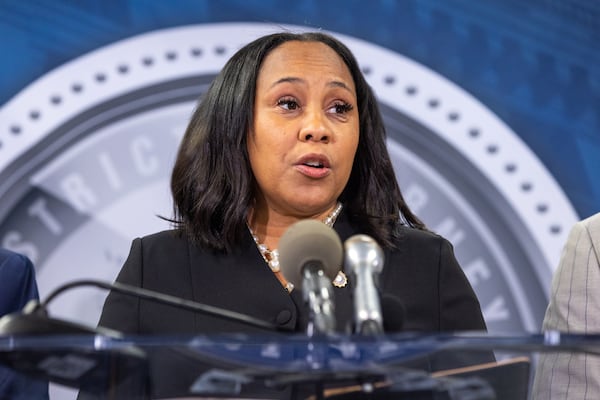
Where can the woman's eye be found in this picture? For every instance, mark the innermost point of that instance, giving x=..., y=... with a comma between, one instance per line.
x=288, y=104
x=341, y=108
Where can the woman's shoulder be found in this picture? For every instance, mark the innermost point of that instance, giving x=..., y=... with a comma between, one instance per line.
x=408, y=233
x=162, y=240
x=419, y=243
x=166, y=235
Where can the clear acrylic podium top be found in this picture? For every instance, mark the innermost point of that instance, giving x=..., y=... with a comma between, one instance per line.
x=405, y=365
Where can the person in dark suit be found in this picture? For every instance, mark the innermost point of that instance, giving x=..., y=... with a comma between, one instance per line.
x=17, y=287
x=289, y=130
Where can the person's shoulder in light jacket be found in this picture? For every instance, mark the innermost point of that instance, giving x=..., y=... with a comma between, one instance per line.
x=574, y=307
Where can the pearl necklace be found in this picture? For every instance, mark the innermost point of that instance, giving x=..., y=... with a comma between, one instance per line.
x=271, y=257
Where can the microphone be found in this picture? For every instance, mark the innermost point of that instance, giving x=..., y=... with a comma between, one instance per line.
x=310, y=256
x=364, y=261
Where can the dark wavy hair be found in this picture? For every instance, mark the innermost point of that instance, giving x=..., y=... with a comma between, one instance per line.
x=212, y=183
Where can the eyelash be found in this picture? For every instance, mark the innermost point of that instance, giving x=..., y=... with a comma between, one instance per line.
x=286, y=101
x=343, y=107
x=340, y=107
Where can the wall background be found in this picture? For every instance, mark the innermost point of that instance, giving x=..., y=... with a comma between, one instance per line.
x=534, y=63
x=530, y=70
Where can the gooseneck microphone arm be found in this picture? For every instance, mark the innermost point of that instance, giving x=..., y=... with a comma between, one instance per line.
x=151, y=295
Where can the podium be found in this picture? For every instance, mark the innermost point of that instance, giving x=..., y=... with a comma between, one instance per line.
x=404, y=365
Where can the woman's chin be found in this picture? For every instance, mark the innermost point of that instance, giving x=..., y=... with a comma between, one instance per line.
x=311, y=207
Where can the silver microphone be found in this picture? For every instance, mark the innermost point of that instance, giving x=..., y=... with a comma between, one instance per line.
x=310, y=256
x=364, y=261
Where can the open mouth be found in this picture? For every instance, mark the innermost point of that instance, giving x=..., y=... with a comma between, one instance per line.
x=314, y=164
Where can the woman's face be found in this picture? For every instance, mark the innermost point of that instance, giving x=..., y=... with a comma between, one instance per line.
x=305, y=131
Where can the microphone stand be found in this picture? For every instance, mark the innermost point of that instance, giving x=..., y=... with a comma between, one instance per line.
x=96, y=374
x=160, y=298
x=34, y=319
x=318, y=295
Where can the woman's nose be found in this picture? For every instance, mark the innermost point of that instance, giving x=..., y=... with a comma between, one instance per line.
x=315, y=128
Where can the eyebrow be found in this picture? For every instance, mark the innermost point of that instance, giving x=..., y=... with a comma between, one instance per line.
x=292, y=79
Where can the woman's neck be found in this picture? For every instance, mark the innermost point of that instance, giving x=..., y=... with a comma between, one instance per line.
x=269, y=225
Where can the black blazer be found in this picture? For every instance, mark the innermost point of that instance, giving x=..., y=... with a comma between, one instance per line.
x=423, y=274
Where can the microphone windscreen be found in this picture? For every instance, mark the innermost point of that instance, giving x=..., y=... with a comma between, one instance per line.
x=393, y=313
x=309, y=241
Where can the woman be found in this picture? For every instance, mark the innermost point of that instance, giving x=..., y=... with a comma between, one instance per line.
x=289, y=130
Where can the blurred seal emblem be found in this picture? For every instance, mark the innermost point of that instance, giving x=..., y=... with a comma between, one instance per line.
x=87, y=151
